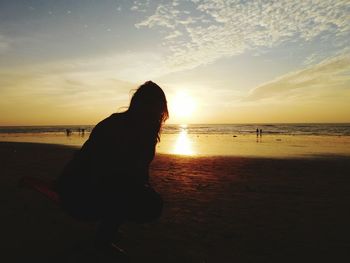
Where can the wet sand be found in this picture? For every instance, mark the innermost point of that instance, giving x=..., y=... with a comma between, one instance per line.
x=243, y=145
x=218, y=209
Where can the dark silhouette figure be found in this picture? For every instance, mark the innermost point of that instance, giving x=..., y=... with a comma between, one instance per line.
x=68, y=132
x=107, y=180
x=260, y=132
x=257, y=132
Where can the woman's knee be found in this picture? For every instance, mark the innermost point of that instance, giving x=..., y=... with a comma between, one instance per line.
x=155, y=205
x=149, y=207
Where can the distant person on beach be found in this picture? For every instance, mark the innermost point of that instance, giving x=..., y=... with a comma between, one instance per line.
x=260, y=132
x=68, y=132
x=257, y=132
x=107, y=181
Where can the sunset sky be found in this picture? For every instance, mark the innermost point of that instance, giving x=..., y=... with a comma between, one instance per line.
x=75, y=62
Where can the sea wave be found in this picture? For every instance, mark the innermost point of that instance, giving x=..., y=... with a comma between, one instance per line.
x=338, y=129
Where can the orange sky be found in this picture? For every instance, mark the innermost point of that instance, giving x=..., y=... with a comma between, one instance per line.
x=76, y=63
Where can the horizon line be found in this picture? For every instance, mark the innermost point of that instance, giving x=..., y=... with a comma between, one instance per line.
x=225, y=123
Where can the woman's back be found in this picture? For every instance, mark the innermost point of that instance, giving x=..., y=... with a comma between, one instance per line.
x=107, y=179
x=114, y=160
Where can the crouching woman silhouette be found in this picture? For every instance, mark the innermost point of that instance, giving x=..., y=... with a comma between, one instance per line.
x=107, y=180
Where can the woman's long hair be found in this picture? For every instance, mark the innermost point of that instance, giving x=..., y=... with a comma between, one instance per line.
x=148, y=106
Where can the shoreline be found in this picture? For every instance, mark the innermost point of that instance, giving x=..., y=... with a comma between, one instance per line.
x=217, y=209
x=173, y=155
x=183, y=144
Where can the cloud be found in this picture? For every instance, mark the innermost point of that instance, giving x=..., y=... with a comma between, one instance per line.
x=82, y=89
x=140, y=6
x=164, y=16
x=66, y=92
x=211, y=29
x=99, y=81
x=5, y=43
x=331, y=77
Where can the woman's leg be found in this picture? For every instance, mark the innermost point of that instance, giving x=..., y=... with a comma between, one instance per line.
x=112, y=215
x=145, y=206
x=141, y=206
x=106, y=235
x=106, y=231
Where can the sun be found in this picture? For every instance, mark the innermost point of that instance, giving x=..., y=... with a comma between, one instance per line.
x=182, y=106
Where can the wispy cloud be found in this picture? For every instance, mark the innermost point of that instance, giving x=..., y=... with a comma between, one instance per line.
x=211, y=29
x=102, y=83
x=140, y=6
x=5, y=43
x=330, y=77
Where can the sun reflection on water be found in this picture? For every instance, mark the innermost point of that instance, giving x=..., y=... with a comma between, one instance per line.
x=183, y=143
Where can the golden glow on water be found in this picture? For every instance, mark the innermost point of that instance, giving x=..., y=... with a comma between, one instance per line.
x=183, y=144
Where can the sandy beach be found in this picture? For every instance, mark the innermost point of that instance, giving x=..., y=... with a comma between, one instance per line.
x=217, y=209
x=238, y=109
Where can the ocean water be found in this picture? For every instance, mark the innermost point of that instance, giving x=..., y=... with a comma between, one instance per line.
x=276, y=140
x=334, y=129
